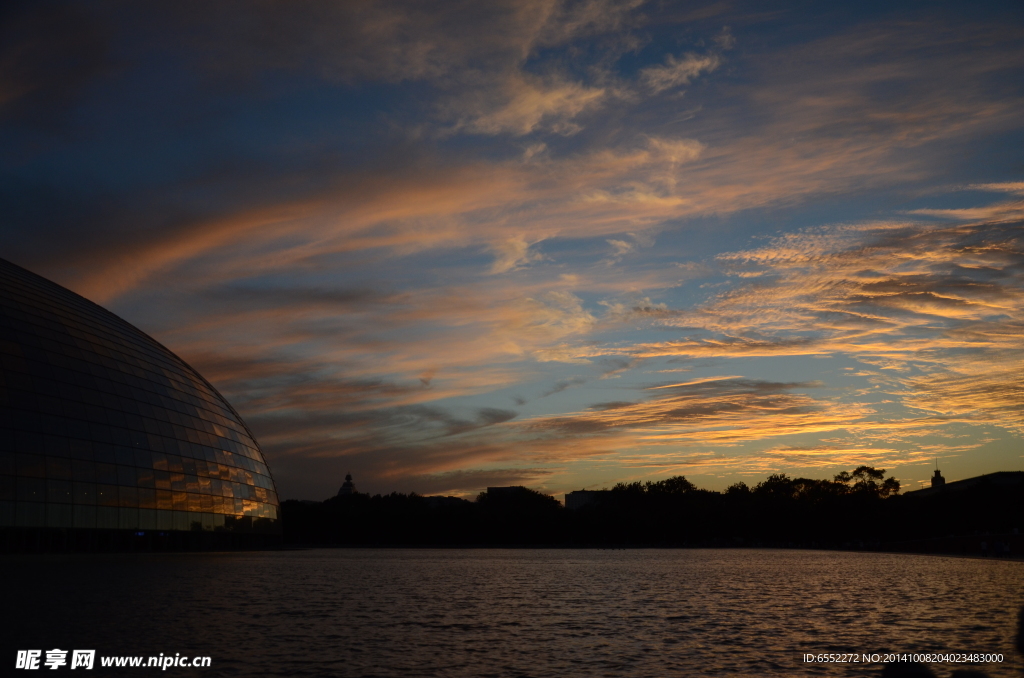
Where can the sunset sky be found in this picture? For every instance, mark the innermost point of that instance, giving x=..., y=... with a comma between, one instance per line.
x=446, y=245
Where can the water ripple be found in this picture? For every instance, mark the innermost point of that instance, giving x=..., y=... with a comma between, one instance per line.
x=539, y=613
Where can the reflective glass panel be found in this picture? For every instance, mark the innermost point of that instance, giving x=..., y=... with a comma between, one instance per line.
x=99, y=421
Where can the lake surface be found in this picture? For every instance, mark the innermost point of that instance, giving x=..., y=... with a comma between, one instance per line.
x=515, y=612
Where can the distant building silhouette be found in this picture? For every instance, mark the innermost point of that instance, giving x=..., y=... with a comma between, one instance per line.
x=580, y=498
x=1005, y=479
x=347, y=487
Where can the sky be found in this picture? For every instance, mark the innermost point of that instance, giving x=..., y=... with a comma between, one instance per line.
x=449, y=245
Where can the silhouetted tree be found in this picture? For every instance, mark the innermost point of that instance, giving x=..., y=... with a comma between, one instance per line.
x=855, y=508
x=673, y=485
x=865, y=479
x=519, y=515
x=737, y=489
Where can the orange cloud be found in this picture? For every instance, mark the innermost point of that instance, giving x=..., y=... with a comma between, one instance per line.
x=332, y=368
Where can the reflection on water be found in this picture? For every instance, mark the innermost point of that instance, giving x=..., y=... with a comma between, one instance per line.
x=515, y=612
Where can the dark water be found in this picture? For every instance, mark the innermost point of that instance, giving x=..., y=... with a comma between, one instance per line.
x=512, y=612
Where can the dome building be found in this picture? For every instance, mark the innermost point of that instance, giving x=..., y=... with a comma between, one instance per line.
x=109, y=440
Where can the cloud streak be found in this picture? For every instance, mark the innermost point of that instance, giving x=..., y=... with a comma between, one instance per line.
x=377, y=226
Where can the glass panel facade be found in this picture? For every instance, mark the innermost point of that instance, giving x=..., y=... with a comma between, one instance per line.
x=102, y=427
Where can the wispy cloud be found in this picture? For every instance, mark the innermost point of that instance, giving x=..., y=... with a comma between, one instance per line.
x=678, y=71
x=940, y=309
x=513, y=253
x=375, y=226
x=523, y=104
x=712, y=410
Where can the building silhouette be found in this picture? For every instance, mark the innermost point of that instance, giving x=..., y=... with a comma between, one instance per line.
x=999, y=479
x=108, y=438
x=347, y=487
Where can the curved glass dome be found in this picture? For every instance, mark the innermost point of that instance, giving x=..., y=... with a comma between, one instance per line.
x=101, y=427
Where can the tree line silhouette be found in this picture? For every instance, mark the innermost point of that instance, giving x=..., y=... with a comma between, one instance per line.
x=858, y=509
